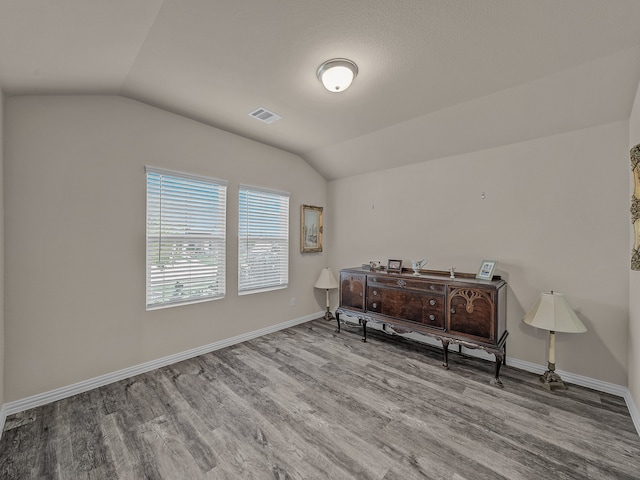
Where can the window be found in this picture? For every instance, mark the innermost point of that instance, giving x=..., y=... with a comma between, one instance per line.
x=263, y=240
x=186, y=238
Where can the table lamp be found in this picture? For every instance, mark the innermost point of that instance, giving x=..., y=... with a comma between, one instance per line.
x=552, y=312
x=327, y=281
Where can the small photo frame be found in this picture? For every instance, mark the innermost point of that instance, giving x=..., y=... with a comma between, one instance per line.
x=394, y=266
x=486, y=270
x=310, y=229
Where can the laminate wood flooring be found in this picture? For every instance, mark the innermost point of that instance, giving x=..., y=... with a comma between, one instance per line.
x=307, y=403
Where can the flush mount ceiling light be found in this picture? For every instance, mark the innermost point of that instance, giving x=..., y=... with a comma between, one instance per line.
x=337, y=74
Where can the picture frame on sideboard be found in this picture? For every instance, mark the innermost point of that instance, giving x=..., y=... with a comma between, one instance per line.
x=394, y=266
x=486, y=270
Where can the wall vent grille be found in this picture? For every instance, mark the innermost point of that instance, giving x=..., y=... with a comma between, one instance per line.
x=265, y=115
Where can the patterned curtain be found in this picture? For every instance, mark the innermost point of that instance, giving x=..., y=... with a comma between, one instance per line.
x=635, y=207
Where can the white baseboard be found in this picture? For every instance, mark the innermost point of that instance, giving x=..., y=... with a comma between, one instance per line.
x=633, y=410
x=3, y=418
x=86, y=385
x=569, y=377
x=588, y=382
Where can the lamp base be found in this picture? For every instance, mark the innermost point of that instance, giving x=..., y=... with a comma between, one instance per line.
x=328, y=315
x=551, y=380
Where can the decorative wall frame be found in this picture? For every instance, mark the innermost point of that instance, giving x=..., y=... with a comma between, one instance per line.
x=486, y=270
x=635, y=207
x=310, y=229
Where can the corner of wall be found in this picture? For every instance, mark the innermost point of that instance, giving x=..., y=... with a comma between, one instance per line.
x=2, y=409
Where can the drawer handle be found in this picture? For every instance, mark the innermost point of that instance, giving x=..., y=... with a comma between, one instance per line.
x=375, y=292
x=432, y=317
x=432, y=287
x=375, y=305
x=453, y=310
x=360, y=294
x=401, y=283
x=432, y=302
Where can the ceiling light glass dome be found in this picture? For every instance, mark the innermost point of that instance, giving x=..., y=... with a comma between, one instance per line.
x=337, y=74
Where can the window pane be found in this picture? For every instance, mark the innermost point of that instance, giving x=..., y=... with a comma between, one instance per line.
x=186, y=238
x=263, y=240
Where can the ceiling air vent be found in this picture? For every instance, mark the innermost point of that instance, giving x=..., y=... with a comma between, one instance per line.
x=265, y=115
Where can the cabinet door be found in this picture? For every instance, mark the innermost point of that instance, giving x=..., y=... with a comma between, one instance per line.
x=352, y=290
x=472, y=313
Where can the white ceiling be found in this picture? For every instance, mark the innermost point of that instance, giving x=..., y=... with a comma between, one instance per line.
x=437, y=77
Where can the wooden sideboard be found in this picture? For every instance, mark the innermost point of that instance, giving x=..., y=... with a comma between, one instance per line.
x=460, y=310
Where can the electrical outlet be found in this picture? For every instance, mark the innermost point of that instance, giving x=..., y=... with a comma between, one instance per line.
x=293, y=301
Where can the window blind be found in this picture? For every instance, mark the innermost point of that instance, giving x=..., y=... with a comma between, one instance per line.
x=186, y=238
x=263, y=240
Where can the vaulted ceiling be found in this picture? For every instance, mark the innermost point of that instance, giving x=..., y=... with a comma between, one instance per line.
x=437, y=77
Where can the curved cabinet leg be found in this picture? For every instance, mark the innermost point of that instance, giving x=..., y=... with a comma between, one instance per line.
x=364, y=330
x=496, y=380
x=338, y=321
x=445, y=348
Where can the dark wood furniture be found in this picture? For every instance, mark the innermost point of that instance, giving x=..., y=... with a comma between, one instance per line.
x=462, y=310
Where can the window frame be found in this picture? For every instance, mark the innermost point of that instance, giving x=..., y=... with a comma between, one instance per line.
x=282, y=252
x=194, y=219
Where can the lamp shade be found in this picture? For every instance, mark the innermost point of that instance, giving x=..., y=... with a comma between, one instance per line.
x=552, y=312
x=326, y=280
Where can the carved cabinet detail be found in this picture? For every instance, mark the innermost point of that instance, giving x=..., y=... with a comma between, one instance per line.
x=471, y=313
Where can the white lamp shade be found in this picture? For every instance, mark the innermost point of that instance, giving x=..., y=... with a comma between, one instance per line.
x=552, y=312
x=326, y=280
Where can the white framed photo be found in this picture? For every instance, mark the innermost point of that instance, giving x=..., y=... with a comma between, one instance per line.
x=486, y=270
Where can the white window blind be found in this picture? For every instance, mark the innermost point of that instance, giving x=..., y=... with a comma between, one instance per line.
x=186, y=238
x=263, y=240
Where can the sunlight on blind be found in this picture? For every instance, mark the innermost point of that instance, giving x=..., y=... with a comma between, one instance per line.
x=263, y=240
x=186, y=238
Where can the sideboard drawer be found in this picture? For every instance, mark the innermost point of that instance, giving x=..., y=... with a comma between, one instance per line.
x=408, y=283
x=415, y=306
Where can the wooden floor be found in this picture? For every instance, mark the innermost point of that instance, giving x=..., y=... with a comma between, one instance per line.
x=307, y=403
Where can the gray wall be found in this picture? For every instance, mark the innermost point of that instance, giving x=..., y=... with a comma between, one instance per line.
x=2, y=274
x=555, y=217
x=75, y=245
